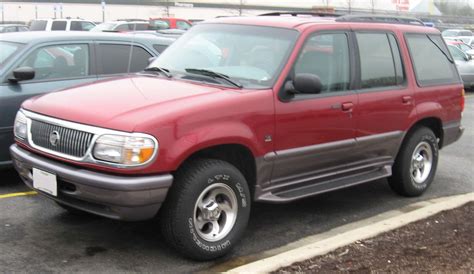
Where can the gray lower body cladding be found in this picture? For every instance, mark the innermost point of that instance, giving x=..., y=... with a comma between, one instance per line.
x=117, y=197
x=287, y=175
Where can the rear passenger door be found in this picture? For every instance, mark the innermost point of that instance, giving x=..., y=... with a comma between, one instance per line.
x=121, y=58
x=386, y=99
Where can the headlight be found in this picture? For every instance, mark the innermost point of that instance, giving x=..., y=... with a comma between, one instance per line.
x=125, y=150
x=20, y=128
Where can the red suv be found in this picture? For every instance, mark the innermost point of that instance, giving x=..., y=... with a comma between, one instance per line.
x=241, y=110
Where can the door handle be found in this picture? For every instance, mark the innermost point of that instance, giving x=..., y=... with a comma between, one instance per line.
x=348, y=106
x=407, y=99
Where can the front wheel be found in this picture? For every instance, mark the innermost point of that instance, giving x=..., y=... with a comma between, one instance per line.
x=416, y=163
x=207, y=209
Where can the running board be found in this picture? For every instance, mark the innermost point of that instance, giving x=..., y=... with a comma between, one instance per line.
x=281, y=195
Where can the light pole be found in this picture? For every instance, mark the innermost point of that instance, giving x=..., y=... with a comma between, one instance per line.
x=103, y=10
x=2, y=7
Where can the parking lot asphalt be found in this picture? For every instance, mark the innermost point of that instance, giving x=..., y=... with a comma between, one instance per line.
x=38, y=236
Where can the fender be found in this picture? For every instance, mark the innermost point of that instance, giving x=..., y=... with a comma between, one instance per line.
x=212, y=135
x=429, y=110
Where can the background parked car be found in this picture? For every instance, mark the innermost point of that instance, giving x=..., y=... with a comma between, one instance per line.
x=122, y=26
x=67, y=24
x=462, y=46
x=170, y=23
x=41, y=62
x=465, y=66
x=456, y=32
x=12, y=28
x=172, y=33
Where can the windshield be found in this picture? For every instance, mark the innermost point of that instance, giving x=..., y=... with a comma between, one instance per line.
x=251, y=55
x=38, y=25
x=104, y=26
x=8, y=49
x=464, y=47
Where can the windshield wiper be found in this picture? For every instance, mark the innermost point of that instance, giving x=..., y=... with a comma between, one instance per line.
x=165, y=71
x=214, y=74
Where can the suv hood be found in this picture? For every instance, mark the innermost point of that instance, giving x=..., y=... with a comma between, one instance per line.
x=103, y=103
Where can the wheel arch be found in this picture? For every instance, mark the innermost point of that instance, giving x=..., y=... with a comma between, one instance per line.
x=239, y=155
x=432, y=122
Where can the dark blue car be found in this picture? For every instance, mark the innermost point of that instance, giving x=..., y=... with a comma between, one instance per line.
x=33, y=63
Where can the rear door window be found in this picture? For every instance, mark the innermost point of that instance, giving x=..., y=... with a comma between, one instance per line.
x=59, y=25
x=431, y=60
x=114, y=58
x=380, y=61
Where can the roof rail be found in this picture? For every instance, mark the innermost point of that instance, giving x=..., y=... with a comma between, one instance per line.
x=297, y=13
x=381, y=19
x=132, y=20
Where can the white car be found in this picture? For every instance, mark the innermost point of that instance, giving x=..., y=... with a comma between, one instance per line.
x=67, y=24
x=456, y=33
x=122, y=26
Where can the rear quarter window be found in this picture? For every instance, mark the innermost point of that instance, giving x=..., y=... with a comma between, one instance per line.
x=115, y=58
x=431, y=60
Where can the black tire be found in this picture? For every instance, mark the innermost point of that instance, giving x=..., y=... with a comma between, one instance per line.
x=177, y=219
x=402, y=181
x=72, y=210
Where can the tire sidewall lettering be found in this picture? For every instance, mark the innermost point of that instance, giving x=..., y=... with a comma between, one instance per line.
x=205, y=246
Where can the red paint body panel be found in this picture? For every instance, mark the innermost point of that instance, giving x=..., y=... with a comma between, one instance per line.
x=186, y=117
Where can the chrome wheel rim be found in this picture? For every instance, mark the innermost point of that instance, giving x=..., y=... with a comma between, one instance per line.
x=215, y=212
x=421, y=162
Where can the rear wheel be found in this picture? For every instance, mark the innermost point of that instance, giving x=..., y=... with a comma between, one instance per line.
x=416, y=163
x=207, y=209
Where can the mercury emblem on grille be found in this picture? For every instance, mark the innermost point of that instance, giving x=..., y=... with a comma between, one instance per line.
x=54, y=138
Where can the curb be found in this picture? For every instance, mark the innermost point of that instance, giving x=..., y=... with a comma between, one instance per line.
x=323, y=245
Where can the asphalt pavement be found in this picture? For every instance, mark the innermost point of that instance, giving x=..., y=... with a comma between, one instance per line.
x=38, y=236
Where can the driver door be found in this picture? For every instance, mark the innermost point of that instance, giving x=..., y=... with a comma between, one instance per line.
x=315, y=133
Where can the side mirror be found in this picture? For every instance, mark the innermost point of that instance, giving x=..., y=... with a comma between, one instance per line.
x=22, y=74
x=307, y=83
x=151, y=59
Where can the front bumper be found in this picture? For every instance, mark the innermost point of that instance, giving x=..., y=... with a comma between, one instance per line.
x=117, y=197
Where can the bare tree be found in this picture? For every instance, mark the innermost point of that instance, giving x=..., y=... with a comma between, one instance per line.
x=349, y=6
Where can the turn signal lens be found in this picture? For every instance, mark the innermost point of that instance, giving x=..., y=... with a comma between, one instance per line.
x=463, y=93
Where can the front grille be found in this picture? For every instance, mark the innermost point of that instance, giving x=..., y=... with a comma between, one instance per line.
x=71, y=141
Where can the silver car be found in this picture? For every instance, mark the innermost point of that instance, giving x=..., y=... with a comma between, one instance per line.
x=465, y=66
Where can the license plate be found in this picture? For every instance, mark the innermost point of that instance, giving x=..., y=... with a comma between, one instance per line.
x=45, y=182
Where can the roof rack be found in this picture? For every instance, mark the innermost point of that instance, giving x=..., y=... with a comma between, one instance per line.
x=381, y=19
x=297, y=13
x=132, y=20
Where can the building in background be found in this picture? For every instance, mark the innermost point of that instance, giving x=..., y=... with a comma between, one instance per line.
x=100, y=10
